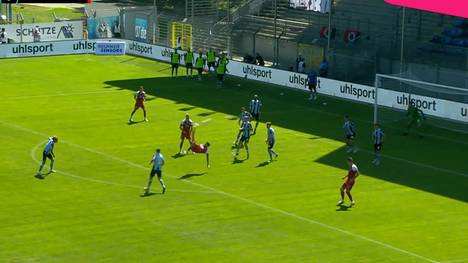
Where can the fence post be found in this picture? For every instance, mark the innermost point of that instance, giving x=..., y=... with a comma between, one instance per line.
x=155, y=16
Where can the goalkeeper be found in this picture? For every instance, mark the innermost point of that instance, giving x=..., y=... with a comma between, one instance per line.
x=416, y=116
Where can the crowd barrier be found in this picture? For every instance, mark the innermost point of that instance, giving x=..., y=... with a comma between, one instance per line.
x=341, y=89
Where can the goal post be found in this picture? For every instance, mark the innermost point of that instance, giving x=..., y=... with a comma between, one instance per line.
x=443, y=105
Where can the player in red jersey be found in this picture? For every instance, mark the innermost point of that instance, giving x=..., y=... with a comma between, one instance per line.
x=186, y=130
x=353, y=173
x=140, y=98
x=199, y=148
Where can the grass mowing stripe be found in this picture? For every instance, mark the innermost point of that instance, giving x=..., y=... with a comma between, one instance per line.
x=133, y=164
x=65, y=94
x=246, y=200
x=456, y=260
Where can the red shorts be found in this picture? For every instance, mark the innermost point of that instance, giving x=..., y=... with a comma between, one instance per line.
x=139, y=104
x=348, y=185
x=185, y=135
x=198, y=148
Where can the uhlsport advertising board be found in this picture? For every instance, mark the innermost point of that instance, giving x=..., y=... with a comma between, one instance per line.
x=47, y=48
x=341, y=89
x=70, y=30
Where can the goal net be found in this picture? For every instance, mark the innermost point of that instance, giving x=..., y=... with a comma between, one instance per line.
x=441, y=105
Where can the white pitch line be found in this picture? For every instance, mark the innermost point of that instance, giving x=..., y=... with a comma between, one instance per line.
x=33, y=156
x=249, y=201
x=205, y=121
x=65, y=94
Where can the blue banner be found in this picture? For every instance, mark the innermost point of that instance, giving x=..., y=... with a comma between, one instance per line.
x=103, y=27
x=110, y=48
x=141, y=26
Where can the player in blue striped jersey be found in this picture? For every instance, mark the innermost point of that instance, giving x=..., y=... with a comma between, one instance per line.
x=48, y=153
x=246, y=130
x=377, y=136
x=350, y=134
x=244, y=116
x=255, y=107
x=271, y=138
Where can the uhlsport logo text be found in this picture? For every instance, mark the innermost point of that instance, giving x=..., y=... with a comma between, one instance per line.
x=141, y=49
x=84, y=45
x=32, y=49
x=256, y=72
x=357, y=91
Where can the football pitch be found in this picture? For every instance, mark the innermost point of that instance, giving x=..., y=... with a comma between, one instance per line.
x=411, y=208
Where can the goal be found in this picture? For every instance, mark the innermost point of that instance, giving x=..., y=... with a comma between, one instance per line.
x=443, y=106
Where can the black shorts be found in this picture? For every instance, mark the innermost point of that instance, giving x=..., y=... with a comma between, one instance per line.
x=255, y=116
x=220, y=76
x=378, y=147
x=46, y=156
x=313, y=87
x=270, y=145
x=200, y=70
x=244, y=139
x=176, y=66
x=351, y=136
x=156, y=172
x=211, y=64
x=189, y=65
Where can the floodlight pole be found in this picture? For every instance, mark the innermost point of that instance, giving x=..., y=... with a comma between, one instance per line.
x=376, y=105
x=275, y=43
x=402, y=44
x=155, y=16
x=329, y=29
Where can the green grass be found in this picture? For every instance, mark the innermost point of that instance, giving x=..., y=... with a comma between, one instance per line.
x=40, y=14
x=412, y=208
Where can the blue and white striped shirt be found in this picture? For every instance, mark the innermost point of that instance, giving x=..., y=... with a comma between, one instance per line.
x=49, y=148
x=378, y=136
x=158, y=161
x=245, y=116
x=255, y=106
x=246, y=129
x=348, y=126
x=271, y=135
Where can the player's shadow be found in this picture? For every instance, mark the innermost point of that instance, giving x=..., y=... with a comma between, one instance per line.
x=205, y=114
x=149, y=194
x=238, y=161
x=178, y=155
x=134, y=122
x=343, y=208
x=262, y=164
x=42, y=176
x=187, y=108
x=188, y=176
